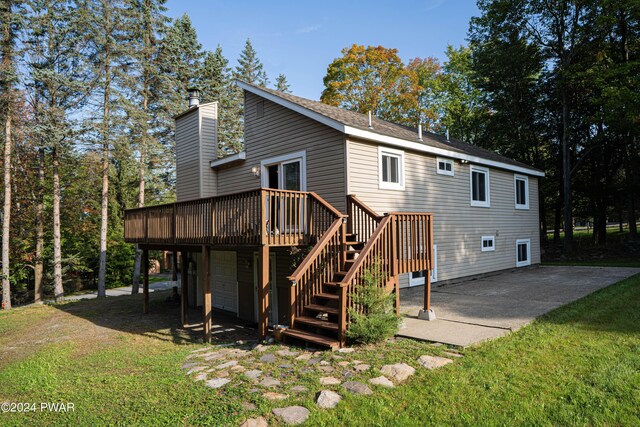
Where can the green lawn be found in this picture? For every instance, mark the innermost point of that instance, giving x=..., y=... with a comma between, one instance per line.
x=579, y=365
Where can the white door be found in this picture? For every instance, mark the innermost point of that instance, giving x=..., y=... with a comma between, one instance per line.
x=417, y=277
x=273, y=289
x=224, y=276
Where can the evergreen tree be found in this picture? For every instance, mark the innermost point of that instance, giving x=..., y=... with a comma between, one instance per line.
x=249, y=68
x=217, y=85
x=282, y=85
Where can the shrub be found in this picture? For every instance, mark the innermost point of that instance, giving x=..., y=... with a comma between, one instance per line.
x=378, y=320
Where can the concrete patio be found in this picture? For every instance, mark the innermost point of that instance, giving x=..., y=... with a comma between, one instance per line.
x=472, y=311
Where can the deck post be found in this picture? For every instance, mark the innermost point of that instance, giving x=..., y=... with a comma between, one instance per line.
x=263, y=291
x=206, y=290
x=427, y=313
x=184, y=292
x=145, y=281
x=174, y=273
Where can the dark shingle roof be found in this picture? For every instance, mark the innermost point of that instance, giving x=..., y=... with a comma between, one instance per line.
x=382, y=127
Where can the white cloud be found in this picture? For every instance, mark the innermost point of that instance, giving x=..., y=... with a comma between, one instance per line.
x=308, y=29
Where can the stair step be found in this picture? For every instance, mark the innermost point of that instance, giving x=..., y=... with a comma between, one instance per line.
x=332, y=284
x=322, y=340
x=318, y=323
x=331, y=297
x=321, y=308
x=353, y=251
x=353, y=243
x=341, y=273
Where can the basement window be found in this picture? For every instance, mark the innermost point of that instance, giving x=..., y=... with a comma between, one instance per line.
x=391, y=169
x=444, y=166
x=523, y=252
x=488, y=243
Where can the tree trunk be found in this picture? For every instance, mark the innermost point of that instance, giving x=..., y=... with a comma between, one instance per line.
x=58, y=290
x=39, y=266
x=141, y=188
x=6, y=217
x=566, y=176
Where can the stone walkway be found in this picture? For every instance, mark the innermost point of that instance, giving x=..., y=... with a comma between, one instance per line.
x=289, y=375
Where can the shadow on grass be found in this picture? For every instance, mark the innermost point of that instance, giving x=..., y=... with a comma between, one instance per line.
x=124, y=314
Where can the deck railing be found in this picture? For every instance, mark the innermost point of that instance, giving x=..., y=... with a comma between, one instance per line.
x=362, y=220
x=263, y=216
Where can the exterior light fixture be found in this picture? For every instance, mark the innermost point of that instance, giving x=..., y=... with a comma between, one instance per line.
x=255, y=170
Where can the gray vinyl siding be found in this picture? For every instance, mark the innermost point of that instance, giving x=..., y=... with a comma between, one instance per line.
x=282, y=131
x=458, y=227
x=187, y=157
x=196, y=147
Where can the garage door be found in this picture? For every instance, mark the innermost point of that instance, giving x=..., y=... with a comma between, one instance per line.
x=224, y=274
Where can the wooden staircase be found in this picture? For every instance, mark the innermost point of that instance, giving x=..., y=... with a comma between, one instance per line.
x=319, y=323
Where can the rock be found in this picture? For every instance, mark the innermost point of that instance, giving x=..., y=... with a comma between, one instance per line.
x=268, y=358
x=189, y=365
x=238, y=352
x=382, y=381
x=286, y=353
x=344, y=363
x=201, y=377
x=329, y=381
x=347, y=374
x=227, y=364
x=357, y=362
x=362, y=367
x=274, y=396
x=328, y=399
x=324, y=363
x=270, y=382
x=433, y=362
x=304, y=356
x=248, y=406
x=286, y=366
x=271, y=340
x=261, y=348
x=223, y=374
x=217, y=382
x=326, y=369
x=436, y=344
x=238, y=368
x=196, y=369
x=398, y=372
x=253, y=374
x=254, y=390
x=357, y=387
x=313, y=361
x=255, y=422
x=299, y=389
x=292, y=415
x=450, y=354
x=346, y=350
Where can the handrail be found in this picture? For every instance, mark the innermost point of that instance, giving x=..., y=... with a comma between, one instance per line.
x=315, y=251
x=326, y=204
x=352, y=198
x=362, y=219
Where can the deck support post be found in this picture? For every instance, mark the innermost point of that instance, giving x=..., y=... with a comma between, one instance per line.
x=206, y=290
x=145, y=281
x=426, y=313
x=263, y=291
x=184, y=291
x=174, y=273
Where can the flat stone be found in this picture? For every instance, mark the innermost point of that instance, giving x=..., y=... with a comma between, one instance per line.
x=346, y=350
x=344, y=363
x=196, y=369
x=347, y=374
x=238, y=368
x=286, y=366
x=254, y=390
x=248, y=406
x=326, y=369
x=255, y=422
x=328, y=399
x=268, y=358
x=222, y=374
x=382, y=381
x=270, y=382
x=357, y=387
x=238, y=352
x=398, y=372
x=329, y=381
x=227, y=364
x=313, y=361
x=287, y=353
x=274, y=396
x=324, y=363
x=253, y=374
x=201, y=377
x=361, y=368
x=217, y=382
x=450, y=354
x=292, y=415
x=299, y=389
x=304, y=356
x=261, y=348
x=433, y=362
x=189, y=365
x=357, y=362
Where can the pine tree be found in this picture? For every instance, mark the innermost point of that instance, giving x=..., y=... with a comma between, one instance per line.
x=9, y=26
x=249, y=68
x=217, y=85
x=282, y=85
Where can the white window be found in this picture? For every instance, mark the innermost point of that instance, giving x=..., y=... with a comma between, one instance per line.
x=391, y=168
x=417, y=277
x=444, y=166
x=523, y=252
x=479, y=183
x=488, y=243
x=522, y=191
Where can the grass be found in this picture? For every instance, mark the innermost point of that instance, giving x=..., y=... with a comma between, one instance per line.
x=578, y=365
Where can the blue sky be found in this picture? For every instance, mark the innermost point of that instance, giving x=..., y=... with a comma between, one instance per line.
x=301, y=38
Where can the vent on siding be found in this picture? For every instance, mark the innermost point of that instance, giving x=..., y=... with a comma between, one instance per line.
x=260, y=109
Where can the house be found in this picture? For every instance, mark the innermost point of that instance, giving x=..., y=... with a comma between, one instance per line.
x=283, y=232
